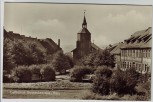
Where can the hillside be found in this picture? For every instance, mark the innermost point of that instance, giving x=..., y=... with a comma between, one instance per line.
x=46, y=45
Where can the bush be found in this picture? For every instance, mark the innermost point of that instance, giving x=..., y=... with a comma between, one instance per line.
x=101, y=83
x=60, y=62
x=48, y=74
x=78, y=72
x=35, y=70
x=124, y=82
x=22, y=74
x=143, y=78
x=103, y=72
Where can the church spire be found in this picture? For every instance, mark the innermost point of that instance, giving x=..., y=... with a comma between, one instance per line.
x=84, y=24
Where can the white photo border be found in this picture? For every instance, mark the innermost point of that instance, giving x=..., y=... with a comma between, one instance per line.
x=106, y=2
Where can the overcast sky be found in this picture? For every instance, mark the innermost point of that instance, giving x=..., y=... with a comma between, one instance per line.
x=108, y=24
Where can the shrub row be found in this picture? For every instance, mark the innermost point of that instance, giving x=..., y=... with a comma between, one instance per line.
x=32, y=73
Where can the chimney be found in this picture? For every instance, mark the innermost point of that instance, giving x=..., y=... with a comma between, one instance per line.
x=59, y=42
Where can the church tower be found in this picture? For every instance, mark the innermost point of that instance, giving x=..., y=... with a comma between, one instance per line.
x=83, y=44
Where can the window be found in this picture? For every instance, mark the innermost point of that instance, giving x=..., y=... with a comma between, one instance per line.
x=140, y=53
x=136, y=53
x=133, y=53
x=122, y=53
x=146, y=68
x=149, y=53
x=144, y=53
x=139, y=67
x=130, y=64
x=127, y=65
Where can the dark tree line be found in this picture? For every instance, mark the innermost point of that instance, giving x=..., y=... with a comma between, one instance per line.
x=21, y=53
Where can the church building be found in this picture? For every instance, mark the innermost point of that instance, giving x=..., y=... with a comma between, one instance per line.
x=84, y=46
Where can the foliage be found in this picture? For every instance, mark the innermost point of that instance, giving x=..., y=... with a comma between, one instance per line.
x=99, y=59
x=93, y=96
x=105, y=58
x=8, y=64
x=70, y=60
x=78, y=72
x=104, y=72
x=101, y=83
x=20, y=54
x=27, y=53
x=144, y=77
x=89, y=59
x=22, y=74
x=124, y=82
x=38, y=56
x=48, y=74
x=60, y=62
x=35, y=70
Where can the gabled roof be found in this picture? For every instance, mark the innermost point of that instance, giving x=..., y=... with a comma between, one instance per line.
x=92, y=45
x=95, y=46
x=140, y=39
x=116, y=49
x=84, y=30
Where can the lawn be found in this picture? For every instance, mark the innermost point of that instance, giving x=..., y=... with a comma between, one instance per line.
x=55, y=85
x=62, y=88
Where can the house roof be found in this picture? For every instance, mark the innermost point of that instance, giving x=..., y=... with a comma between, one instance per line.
x=116, y=49
x=140, y=39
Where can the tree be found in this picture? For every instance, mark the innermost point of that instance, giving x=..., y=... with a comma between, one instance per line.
x=38, y=56
x=70, y=59
x=101, y=82
x=27, y=54
x=60, y=62
x=99, y=58
x=8, y=63
x=124, y=82
x=89, y=59
x=104, y=58
x=21, y=54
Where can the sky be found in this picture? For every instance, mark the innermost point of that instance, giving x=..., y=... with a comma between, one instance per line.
x=108, y=24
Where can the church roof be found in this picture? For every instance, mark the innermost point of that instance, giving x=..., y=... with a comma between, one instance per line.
x=84, y=21
x=84, y=30
x=95, y=46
